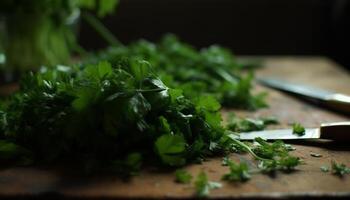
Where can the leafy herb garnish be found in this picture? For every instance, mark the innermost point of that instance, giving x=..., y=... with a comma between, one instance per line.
x=339, y=169
x=182, y=176
x=203, y=185
x=298, y=129
x=276, y=156
x=238, y=172
x=324, y=168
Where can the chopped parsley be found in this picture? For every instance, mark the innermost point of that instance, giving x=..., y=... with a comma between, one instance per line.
x=203, y=185
x=238, y=172
x=339, y=169
x=324, y=169
x=274, y=156
x=298, y=129
x=182, y=176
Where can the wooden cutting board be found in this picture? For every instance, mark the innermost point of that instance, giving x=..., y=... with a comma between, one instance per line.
x=306, y=181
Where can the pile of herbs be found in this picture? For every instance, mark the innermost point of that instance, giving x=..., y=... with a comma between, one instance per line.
x=105, y=115
x=114, y=117
x=209, y=71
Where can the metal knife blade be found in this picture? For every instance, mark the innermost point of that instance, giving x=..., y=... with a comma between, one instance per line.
x=332, y=100
x=300, y=89
x=280, y=134
x=339, y=131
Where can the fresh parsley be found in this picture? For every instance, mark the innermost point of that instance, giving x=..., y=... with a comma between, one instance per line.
x=41, y=31
x=298, y=129
x=339, y=169
x=324, y=169
x=203, y=185
x=238, y=172
x=182, y=176
x=96, y=114
x=212, y=70
x=275, y=156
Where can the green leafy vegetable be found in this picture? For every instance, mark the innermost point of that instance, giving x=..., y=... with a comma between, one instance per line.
x=182, y=176
x=339, y=169
x=213, y=70
x=276, y=156
x=170, y=148
x=42, y=32
x=98, y=113
x=298, y=129
x=238, y=172
x=225, y=161
x=203, y=185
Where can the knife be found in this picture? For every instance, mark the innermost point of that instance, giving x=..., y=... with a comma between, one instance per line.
x=339, y=131
x=333, y=100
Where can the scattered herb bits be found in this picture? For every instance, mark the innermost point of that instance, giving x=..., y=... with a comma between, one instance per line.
x=274, y=156
x=238, y=172
x=203, y=185
x=324, y=169
x=182, y=176
x=339, y=169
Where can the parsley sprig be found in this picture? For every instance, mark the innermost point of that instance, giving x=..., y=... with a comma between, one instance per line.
x=203, y=185
x=238, y=172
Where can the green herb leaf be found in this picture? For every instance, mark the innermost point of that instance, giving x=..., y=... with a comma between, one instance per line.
x=238, y=172
x=339, y=169
x=298, y=129
x=170, y=148
x=203, y=185
x=324, y=168
x=182, y=176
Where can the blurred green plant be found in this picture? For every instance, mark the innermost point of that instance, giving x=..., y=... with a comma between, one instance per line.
x=41, y=32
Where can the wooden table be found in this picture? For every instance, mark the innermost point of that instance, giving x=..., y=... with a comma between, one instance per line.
x=306, y=181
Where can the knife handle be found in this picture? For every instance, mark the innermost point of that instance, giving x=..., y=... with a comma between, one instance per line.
x=335, y=131
x=339, y=102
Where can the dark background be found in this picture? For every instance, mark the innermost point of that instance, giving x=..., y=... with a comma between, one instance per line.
x=248, y=27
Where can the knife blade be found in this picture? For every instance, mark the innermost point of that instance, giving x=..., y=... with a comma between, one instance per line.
x=333, y=100
x=333, y=131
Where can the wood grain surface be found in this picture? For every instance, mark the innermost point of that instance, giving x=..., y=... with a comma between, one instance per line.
x=307, y=181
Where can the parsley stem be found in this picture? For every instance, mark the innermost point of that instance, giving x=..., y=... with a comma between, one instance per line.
x=101, y=29
x=150, y=90
x=248, y=149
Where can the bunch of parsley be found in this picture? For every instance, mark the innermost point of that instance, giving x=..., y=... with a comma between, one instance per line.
x=104, y=115
x=213, y=70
